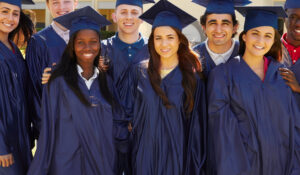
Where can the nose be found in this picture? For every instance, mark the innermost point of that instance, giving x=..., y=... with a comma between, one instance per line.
x=164, y=42
x=218, y=28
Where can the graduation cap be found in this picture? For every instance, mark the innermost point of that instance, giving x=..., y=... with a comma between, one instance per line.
x=221, y=6
x=134, y=2
x=13, y=2
x=290, y=4
x=84, y=18
x=261, y=16
x=165, y=13
x=27, y=2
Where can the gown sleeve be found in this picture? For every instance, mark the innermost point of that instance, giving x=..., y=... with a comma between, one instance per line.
x=226, y=151
x=50, y=109
x=5, y=113
x=296, y=118
x=196, y=151
x=36, y=60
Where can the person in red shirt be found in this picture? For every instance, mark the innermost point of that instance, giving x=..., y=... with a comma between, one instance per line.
x=291, y=47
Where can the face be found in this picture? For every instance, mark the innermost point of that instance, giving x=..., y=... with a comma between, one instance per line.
x=259, y=40
x=293, y=26
x=219, y=29
x=166, y=42
x=86, y=46
x=9, y=17
x=60, y=7
x=127, y=18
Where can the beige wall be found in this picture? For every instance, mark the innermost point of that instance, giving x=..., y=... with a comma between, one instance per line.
x=106, y=7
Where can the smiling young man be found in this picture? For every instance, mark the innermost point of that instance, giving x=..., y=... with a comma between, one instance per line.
x=125, y=49
x=291, y=47
x=45, y=48
x=220, y=25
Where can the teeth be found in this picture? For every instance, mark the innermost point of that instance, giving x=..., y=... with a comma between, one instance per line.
x=62, y=13
x=219, y=36
x=128, y=24
x=165, y=50
x=258, y=47
x=87, y=54
x=297, y=31
x=8, y=25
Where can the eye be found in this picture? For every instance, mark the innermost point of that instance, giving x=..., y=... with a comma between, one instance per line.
x=171, y=37
x=157, y=38
x=4, y=11
x=16, y=14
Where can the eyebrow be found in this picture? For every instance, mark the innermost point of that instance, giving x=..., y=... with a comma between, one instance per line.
x=259, y=32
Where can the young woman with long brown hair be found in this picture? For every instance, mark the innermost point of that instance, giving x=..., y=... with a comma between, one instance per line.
x=168, y=124
x=253, y=119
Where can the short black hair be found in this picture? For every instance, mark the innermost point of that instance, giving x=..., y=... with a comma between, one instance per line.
x=203, y=19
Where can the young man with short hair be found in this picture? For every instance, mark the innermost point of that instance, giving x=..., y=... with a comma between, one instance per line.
x=46, y=47
x=220, y=26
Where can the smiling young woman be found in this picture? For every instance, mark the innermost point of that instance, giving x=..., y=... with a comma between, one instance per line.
x=15, y=95
x=78, y=108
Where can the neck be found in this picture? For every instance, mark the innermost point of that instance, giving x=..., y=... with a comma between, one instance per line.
x=129, y=38
x=4, y=39
x=256, y=63
x=169, y=63
x=219, y=49
x=60, y=26
x=88, y=71
x=293, y=42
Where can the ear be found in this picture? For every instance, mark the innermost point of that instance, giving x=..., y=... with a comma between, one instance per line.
x=114, y=18
x=244, y=37
x=204, y=29
x=75, y=4
x=235, y=28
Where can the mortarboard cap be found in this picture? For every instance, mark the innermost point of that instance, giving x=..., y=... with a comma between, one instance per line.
x=221, y=6
x=134, y=2
x=84, y=18
x=291, y=4
x=13, y=2
x=27, y=2
x=261, y=16
x=165, y=13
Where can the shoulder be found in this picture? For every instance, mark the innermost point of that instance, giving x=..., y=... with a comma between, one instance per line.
x=198, y=47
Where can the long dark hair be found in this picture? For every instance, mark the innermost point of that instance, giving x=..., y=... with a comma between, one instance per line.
x=25, y=25
x=275, y=51
x=189, y=65
x=67, y=68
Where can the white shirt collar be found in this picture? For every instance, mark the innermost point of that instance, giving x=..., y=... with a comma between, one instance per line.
x=220, y=58
x=90, y=81
x=63, y=34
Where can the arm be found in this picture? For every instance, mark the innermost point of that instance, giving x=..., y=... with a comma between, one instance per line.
x=46, y=142
x=226, y=151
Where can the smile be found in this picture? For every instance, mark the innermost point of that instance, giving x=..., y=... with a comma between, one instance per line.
x=259, y=47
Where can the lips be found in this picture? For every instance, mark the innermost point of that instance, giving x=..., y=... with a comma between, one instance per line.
x=8, y=25
x=297, y=31
x=219, y=36
x=165, y=50
x=128, y=24
x=61, y=13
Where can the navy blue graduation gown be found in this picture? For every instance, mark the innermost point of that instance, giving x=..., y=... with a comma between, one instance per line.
x=120, y=66
x=207, y=63
x=253, y=125
x=44, y=48
x=287, y=61
x=75, y=139
x=164, y=140
x=14, y=110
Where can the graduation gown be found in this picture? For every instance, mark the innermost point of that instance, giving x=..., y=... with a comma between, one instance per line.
x=166, y=141
x=207, y=62
x=120, y=66
x=253, y=125
x=14, y=110
x=287, y=61
x=44, y=48
x=75, y=139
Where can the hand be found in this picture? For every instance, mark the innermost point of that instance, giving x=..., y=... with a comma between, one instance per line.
x=290, y=78
x=6, y=160
x=46, y=75
x=101, y=65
